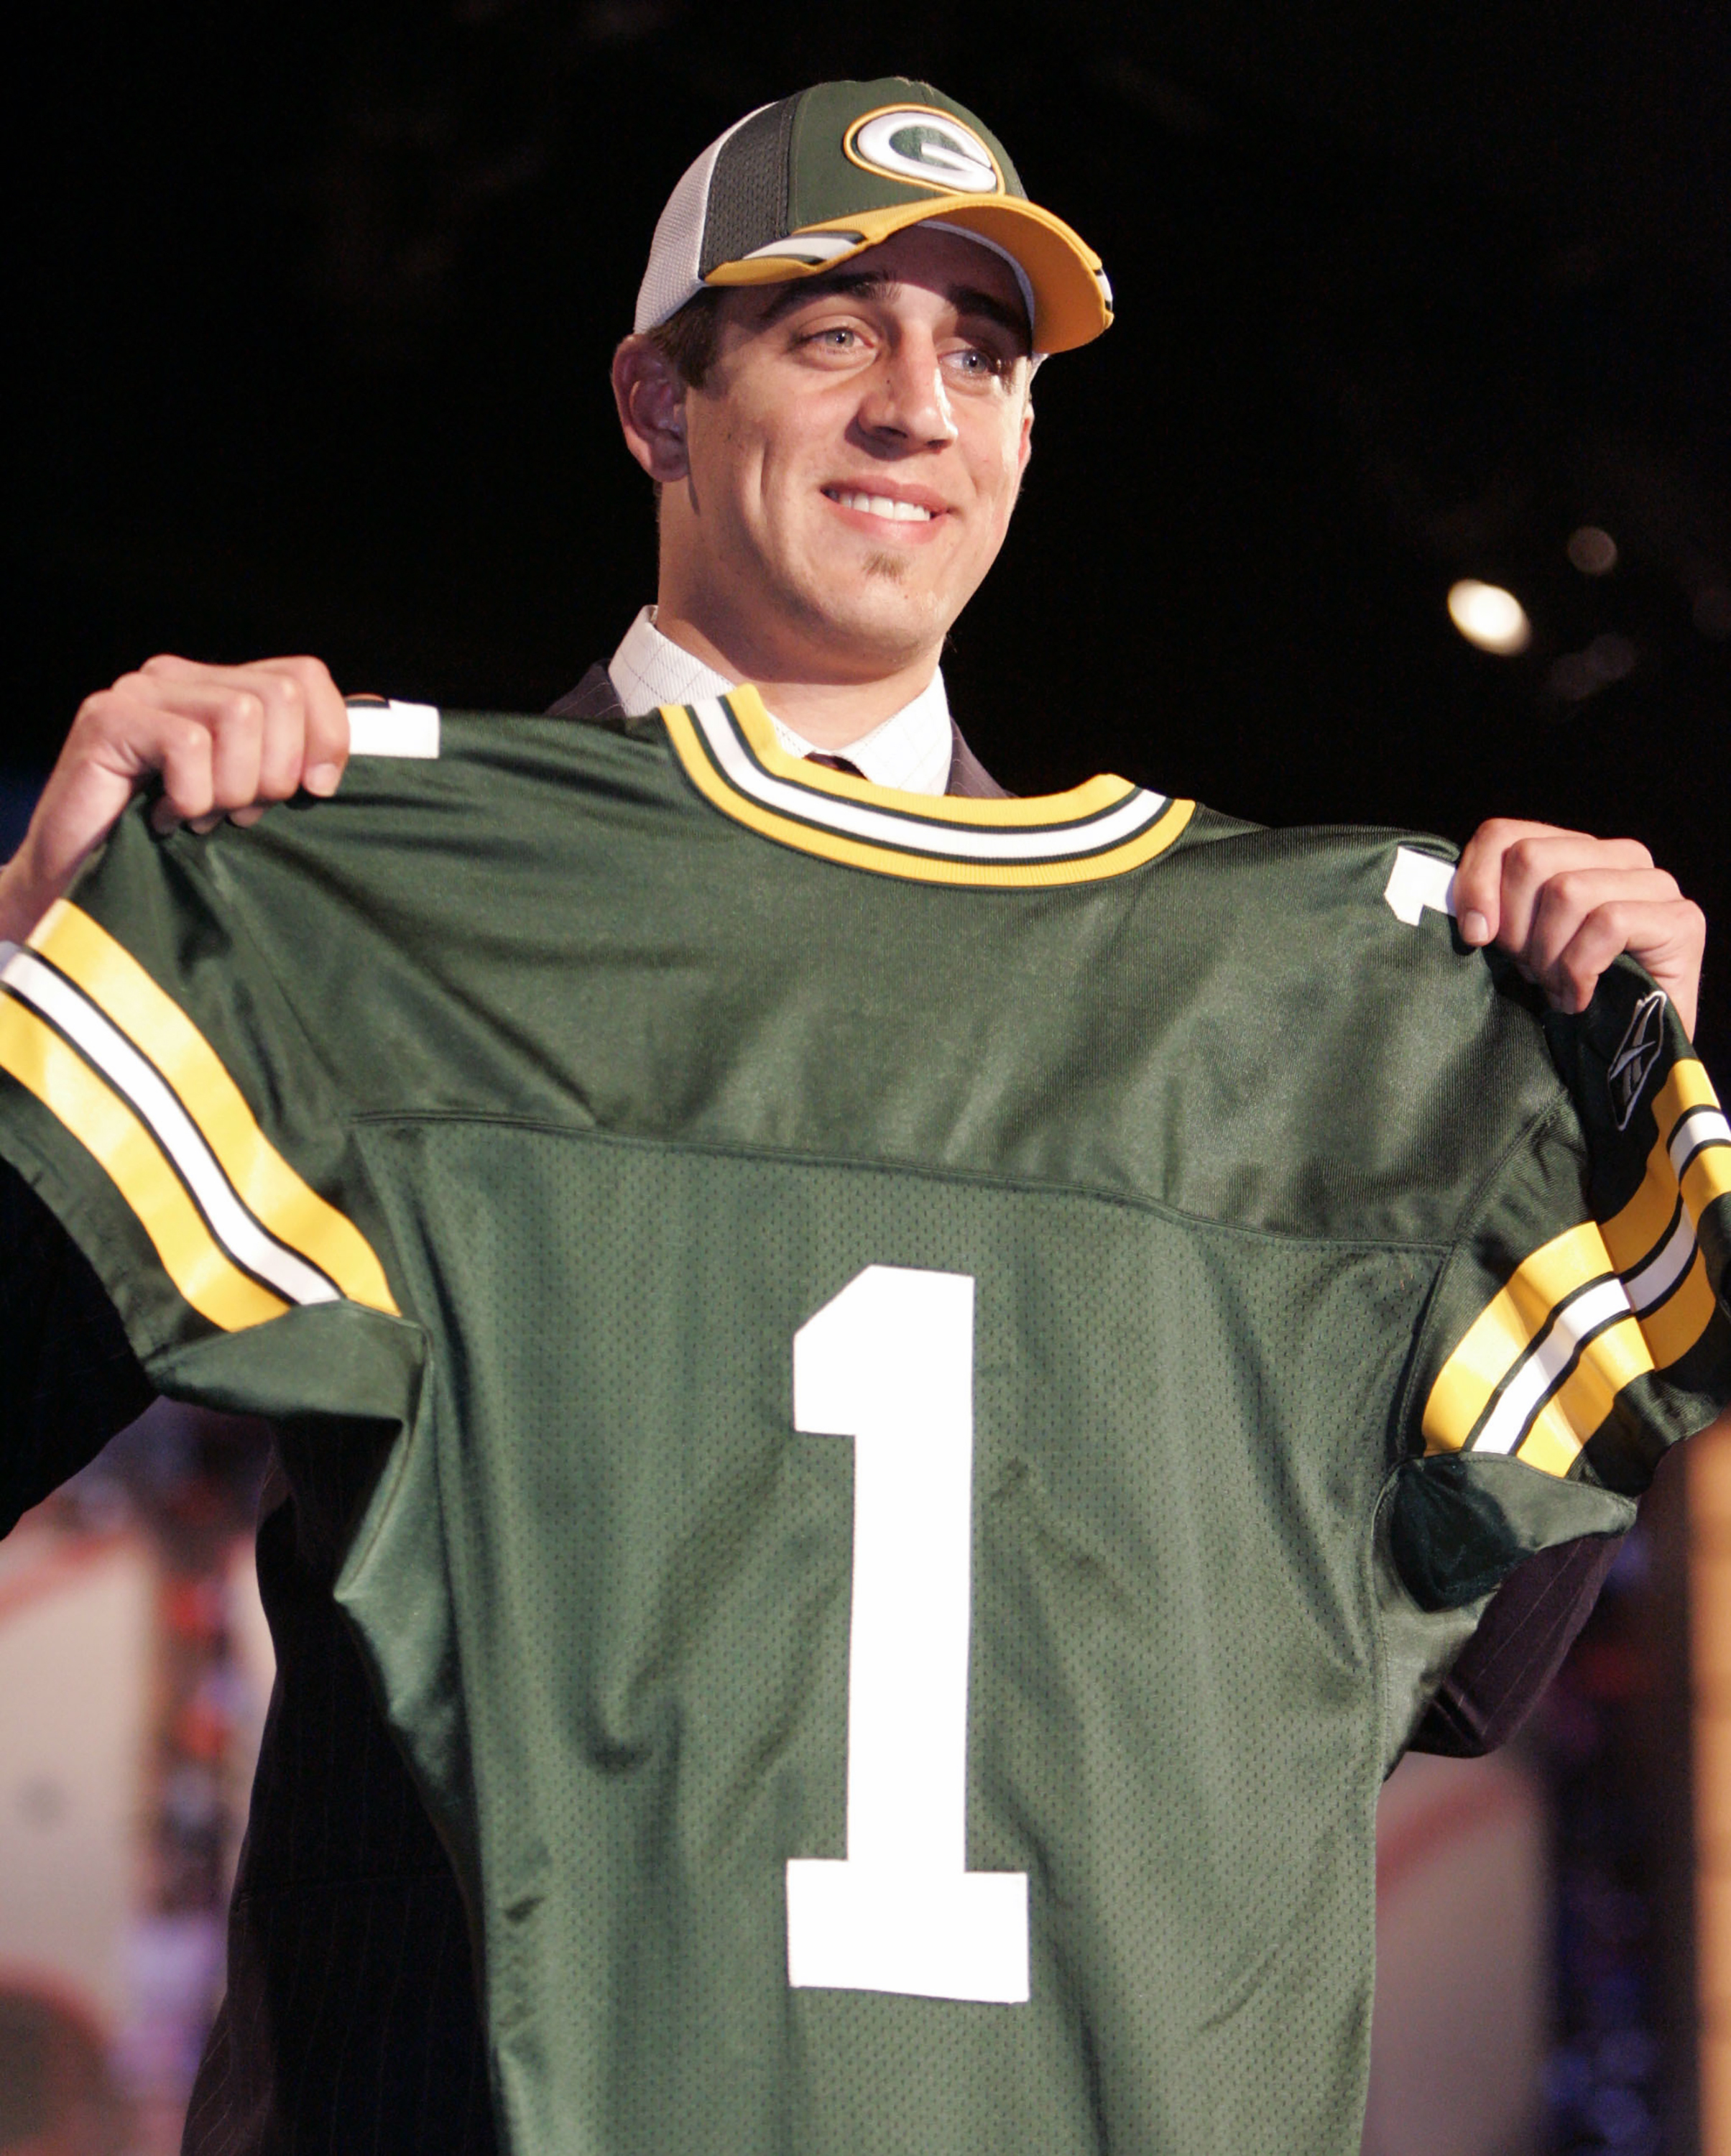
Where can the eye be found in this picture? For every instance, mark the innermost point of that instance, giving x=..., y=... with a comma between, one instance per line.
x=976, y=362
x=835, y=336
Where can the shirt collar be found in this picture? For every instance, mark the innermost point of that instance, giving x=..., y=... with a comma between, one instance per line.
x=911, y=750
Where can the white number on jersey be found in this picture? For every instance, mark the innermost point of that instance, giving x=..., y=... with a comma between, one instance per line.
x=889, y=1362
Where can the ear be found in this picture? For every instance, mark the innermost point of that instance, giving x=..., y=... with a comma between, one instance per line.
x=650, y=401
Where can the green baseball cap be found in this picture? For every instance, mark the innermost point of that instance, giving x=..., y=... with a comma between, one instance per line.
x=797, y=186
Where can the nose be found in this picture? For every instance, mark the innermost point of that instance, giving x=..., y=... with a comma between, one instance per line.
x=906, y=403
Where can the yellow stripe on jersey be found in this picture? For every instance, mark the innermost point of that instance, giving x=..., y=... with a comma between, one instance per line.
x=1103, y=829
x=1499, y=1337
x=284, y=1206
x=1612, y=1359
x=106, y=1127
x=1631, y=1234
x=1706, y=1177
x=1651, y=1240
x=1672, y=1330
x=1687, y=1086
x=1009, y=812
x=1539, y=1369
x=1634, y=1234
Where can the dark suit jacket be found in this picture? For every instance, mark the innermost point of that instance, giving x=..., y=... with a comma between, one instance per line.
x=594, y=699
x=350, y=2027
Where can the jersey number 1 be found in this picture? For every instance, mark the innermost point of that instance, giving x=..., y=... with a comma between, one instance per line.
x=889, y=1362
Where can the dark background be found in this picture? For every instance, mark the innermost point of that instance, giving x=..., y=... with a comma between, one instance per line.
x=312, y=309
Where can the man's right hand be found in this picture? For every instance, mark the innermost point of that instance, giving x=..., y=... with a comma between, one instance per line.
x=227, y=740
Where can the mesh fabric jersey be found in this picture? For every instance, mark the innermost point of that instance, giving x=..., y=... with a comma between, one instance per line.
x=945, y=1377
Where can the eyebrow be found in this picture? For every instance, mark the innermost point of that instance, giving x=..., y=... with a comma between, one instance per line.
x=873, y=284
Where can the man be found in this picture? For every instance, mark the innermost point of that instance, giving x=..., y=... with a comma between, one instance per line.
x=829, y=383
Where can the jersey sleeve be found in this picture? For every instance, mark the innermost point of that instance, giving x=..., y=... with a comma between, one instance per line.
x=162, y=1096
x=1578, y=1326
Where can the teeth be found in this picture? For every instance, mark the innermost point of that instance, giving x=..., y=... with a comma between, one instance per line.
x=880, y=505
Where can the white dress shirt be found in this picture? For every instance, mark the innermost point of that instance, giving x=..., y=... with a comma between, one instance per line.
x=910, y=750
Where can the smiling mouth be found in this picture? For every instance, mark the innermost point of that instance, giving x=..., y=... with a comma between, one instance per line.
x=879, y=505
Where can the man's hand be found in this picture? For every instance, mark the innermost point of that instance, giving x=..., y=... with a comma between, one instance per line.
x=1564, y=905
x=227, y=740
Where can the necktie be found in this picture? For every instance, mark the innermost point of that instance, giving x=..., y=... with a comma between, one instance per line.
x=834, y=763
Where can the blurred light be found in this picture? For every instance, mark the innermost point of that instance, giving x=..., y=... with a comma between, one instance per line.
x=1487, y=615
x=1578, y=674
x=1593, y=553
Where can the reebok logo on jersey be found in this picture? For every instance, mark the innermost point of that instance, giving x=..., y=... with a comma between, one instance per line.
x=919, y=143
x=1635, y=1056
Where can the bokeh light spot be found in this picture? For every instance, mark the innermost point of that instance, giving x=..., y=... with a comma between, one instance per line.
x=1489, y=617
x=1592, y=550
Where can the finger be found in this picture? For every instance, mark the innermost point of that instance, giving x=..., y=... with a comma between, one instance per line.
x=1582, y=923
x=237, y=736
x=1506, y=861
x=115, y=740
x=186, y=759
x=1478, y=874
x=171, y=666
x=282, y=739
x=306, y=726
x=123, y=725
x=1666, y=934
x=254, y=715
x=168, y=666
x=325, y=723
x=1567, y=899
x=257, y=713
x=1531, y=863
x=305, y=740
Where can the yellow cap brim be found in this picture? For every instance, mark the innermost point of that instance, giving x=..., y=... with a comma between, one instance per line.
x=1073, y=300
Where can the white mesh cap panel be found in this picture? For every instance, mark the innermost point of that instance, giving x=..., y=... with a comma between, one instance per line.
x=672, y=277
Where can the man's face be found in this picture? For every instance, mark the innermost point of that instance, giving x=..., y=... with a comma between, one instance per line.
x=853, y=458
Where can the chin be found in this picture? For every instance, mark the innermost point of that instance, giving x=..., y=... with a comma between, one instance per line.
x=886, y=612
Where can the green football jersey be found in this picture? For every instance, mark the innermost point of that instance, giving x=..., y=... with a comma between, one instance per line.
x=949, y=1376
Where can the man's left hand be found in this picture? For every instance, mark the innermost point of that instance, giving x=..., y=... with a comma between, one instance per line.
x=1564, y=905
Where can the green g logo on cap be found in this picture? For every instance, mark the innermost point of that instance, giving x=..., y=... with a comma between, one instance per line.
x=933, y=149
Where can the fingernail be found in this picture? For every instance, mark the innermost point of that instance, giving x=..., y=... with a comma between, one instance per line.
x=1474, y=927
x=322, y=778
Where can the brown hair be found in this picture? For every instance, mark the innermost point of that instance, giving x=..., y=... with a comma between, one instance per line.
x=688, y=340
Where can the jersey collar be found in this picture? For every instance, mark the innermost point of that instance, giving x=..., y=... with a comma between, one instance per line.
x=728, y=748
